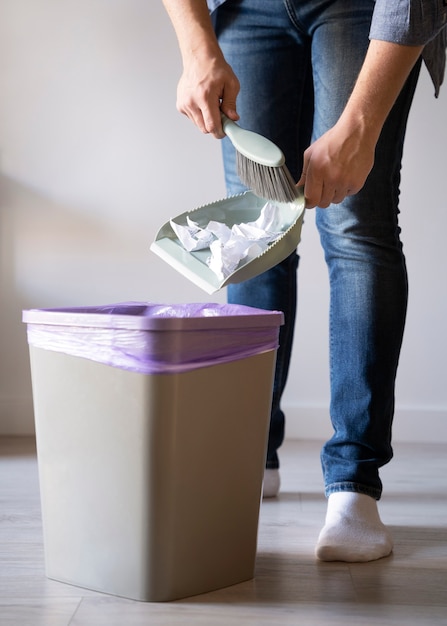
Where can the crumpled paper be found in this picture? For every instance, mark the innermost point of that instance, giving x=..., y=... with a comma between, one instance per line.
x=230, y=248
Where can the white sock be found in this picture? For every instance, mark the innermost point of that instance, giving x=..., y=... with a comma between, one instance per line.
x=353, y=530
x=272, y=483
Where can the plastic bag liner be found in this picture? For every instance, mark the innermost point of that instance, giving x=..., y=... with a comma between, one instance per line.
x=155, y=338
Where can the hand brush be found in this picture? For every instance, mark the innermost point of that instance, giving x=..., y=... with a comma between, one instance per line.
x=260, y=164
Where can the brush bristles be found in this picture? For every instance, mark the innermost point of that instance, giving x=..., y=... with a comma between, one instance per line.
x=272, y=183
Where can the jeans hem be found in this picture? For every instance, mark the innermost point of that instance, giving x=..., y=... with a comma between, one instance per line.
x=353, y=487
x=272, y=465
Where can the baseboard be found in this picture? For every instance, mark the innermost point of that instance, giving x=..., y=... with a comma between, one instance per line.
x=410, y=425
x=423, y=425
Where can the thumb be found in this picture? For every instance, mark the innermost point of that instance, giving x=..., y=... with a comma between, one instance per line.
x=306, y=160
x=302, y=180
x=230, y=112
x=228, y=106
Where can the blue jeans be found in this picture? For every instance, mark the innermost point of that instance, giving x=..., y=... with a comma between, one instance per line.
x=297, y=61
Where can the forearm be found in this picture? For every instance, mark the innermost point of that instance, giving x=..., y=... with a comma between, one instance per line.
x=338, y=163
x=384, y=72
x=208, y=84
x=193, y=27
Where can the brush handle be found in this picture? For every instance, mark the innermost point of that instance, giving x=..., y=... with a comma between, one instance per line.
x=252, y=145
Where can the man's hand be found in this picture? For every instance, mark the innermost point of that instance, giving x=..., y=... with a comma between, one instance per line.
x=208, y=84
x=336, y=165
x=207, y=87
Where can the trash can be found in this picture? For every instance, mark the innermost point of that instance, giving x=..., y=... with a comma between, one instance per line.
x=151, y=428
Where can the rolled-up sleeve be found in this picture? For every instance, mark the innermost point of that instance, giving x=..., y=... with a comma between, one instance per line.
x=408, y=22
x=415, y=23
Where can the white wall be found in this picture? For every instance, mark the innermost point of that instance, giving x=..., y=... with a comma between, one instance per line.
x=94, y=159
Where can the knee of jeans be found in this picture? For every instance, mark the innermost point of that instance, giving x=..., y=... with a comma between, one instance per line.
x=343, y=234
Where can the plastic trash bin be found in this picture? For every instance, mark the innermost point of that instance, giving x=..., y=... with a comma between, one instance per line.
x=151, y=428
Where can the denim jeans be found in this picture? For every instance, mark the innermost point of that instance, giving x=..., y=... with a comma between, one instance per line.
x=297, y=61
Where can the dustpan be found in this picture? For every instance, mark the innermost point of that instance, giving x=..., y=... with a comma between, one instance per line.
x=242, y=208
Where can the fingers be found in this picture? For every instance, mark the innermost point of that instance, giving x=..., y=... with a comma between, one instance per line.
x=336, y=165
x=203, y=100
x=316, y=193
x=206, y=117
x=202, y=109
x=324, y=186
x=324, y=195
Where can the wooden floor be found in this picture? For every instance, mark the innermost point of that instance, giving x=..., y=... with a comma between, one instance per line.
x=290, y=587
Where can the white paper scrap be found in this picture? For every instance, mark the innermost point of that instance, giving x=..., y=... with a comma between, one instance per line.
x=192, y=237
x=230, y=248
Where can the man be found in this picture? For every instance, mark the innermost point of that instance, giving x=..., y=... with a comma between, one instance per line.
x=331, y=83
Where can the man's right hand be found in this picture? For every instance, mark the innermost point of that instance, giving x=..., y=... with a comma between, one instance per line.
x=208, y=84
x=207, y=87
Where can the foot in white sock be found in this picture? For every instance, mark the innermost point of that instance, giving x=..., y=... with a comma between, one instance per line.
x=353, y=530
x=272, y=483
